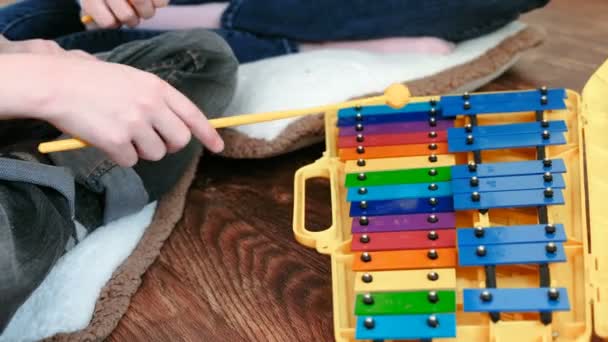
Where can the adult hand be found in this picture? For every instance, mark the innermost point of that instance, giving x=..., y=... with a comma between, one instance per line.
x=115, y=13
x=127, y=113
x=39, y=46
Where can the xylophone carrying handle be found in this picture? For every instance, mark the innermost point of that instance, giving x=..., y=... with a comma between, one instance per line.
x=323, y=241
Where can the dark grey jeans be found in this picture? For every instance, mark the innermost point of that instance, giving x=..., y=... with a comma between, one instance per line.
x=41, y=197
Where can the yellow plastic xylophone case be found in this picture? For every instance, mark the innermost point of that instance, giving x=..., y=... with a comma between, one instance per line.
x=584, y=215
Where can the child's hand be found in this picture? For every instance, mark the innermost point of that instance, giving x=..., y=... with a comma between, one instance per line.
x=127, y=113
x=39, y=46
x=115, y=13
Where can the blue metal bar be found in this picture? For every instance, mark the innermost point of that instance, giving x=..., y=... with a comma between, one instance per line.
x=509, y=235
x=507, y=129
x=507, y=183
x=507, y=199
x=399, y=191
x=508, y=169
x=505, y=141
x=406, y=327
x=515, y=300
x=402, y=206
x=511, y=254
x=502, y=102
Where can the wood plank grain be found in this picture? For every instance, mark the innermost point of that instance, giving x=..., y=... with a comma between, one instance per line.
x=232, y=270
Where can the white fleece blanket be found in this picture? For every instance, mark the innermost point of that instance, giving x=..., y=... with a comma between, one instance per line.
x=66, y=299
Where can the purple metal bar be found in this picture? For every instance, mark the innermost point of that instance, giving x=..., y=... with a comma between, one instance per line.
x=393, y=223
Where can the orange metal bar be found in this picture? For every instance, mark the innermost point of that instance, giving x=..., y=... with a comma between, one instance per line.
x=404, y=260
x=392, y=151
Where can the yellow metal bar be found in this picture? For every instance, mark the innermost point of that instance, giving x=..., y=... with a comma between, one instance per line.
x=384, y=164
x=405, y=280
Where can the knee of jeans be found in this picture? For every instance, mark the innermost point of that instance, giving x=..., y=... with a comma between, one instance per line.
x=31, y=19
x=199, y=51
x=205, y=70
x=33, y=235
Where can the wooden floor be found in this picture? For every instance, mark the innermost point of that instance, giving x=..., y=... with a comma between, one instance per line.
x=232, y=270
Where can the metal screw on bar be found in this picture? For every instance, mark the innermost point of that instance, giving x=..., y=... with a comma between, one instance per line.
x=432, y=218
x=432, y=134
x=432, y=146
x=474, y=181
x=553, y=293
x=546, y=135
x=360, y=149
x=433, y=111
x=369, y=323
x=360, y=137
x=368, y=299
x=467, y=105
x=466, y=95
x=544, y=100
x=547, y=162
x=551, y=247
x=475, y=196
x=486, y=296
x=433, y=297
x=366, y=257
x=361, y=176
x=470, y=139
x=550, y=229
x=481, y=251
x=433, y=187
x=468, y=128
x=364, y=238
x=367, y=278
x=433, y=201
x=361, y=162
x=432, y=321
x=363, y=204
x=362, y=191
x=359, y=117
x=479, y=232
x=548, y=177
x=433, y=158
x=433, y=102
x=543, y=90
x=432, y=254
x=432, y=276
x=432, y=235
x=359, y=127
x=472, y=166
x=433, y=172
x=548, y=192
x=544, y=123
x=432, y=122
x=364, y=221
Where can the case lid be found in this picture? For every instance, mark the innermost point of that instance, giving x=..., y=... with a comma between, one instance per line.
x=595, y=130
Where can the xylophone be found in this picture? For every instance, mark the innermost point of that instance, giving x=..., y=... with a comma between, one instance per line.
x=473, y=217
x=463, y=217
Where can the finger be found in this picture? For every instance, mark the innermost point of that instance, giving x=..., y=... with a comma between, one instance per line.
x=81, y=54
x=124, y=12
x=194, y=119
x=118, y=148
x=101, y=14
x=149, y=145
x=43, y=46
x=53, y=47
x=125, y=155
x=172, y=130
x=144, y=8
x=160, y=3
